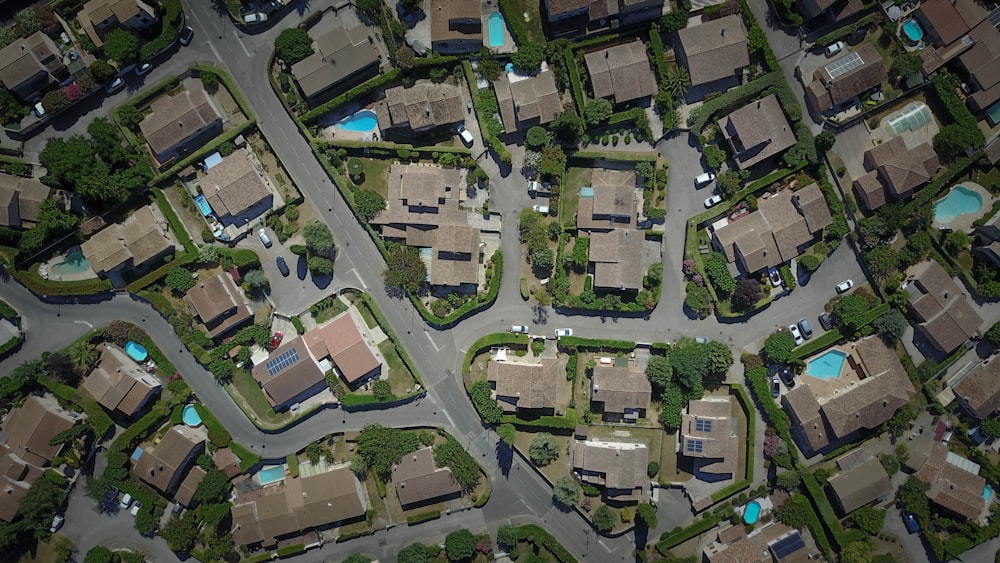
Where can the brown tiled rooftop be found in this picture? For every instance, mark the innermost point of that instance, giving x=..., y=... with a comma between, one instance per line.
x=175, y=118
x=621, y=71
x=715, y=49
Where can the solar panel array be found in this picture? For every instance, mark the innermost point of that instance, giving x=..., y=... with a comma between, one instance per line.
x=703, y=425
x=695, y=446
x=282, y=361
x=787, y=546
x=844, y=65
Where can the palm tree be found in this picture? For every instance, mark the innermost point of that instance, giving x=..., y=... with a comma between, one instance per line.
x=83, y=354
x=678, y=82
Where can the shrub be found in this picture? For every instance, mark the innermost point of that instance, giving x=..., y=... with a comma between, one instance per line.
x=652, y=469
x=605, y=519
x=778, y=347
x=566, y=491
x=292, y=45
x=809, y=262
x=543, y=449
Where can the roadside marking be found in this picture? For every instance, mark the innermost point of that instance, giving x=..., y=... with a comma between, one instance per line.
x=434, y=344
x=218, y=57
x=606, y=548
x=84, y=323
x=448, y=416
x=240, y=41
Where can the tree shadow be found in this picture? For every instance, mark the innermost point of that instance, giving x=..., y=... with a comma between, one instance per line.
x=505, y=458
x=541, y=314
x=564, y=508
x=641, y=535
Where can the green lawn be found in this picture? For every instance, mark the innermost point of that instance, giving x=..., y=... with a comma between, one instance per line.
x=253, y=397
x=569, y=195
x=400, y=378
x=532, y=27
x=330, y=312
x=366, y=314
x=376, y=175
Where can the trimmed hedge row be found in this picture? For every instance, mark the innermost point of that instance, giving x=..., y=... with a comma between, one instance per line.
x=387, y=329
x=513, y=20
x=577, y=343
x=773, y=413
x=474, y=305
x=574, y=80
x=823, y=342
x=659, y=53
x=217, y=434
x=539, y=536
x=423, y=517
x=550, y=422
x=822, y=504
x=733, y=98
x=837, y=34
x=359, y=147
x=42, y=286
x=492, y=140
x=491, y=340
x=356, y=92
x=290, y=550
x=11, y=345
x=615, y=156
x=230, y=85
x=677, y=537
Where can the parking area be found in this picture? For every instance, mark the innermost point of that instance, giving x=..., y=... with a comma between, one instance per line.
x=851, y=146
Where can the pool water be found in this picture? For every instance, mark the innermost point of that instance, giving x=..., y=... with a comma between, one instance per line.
x=203, y=205
x=271, y=474
x=751, y=512
x=75, y=263
x=587, y=192
x=987, y=493
x=190, y=416
x=136, y=351
x=959, y=201
x=827, y=366
x=993, y=114
x=363, y=121
x=496, y=29
x=913, y=30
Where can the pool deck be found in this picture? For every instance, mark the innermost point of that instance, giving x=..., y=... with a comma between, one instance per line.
x=825, y=390
x=44, y=270
x=964, y=221
x=508, y=41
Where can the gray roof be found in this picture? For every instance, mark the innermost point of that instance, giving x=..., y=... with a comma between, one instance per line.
x=338, y=53
x=715, y=50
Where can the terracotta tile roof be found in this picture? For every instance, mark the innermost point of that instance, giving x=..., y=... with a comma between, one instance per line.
x=802, y=404
x=617, y=257
x=952, y=487
x=900, y=168
x=620, y=388
x=860, y=485
x=337, y=54
x=219, y=304
x=456, y=19
x=951, y=19
x=708, y=433
x=30, y=427
x=131, y=243
x=757, y=131
x=292, y=377
x=529, y=101
x=24, y=59
x=176, y=118
x=341, y=341
x=525, y=386
x=870, y=191
x=621, y=71
x=100, y=10
x=421, y=106
x=118, y=383
x=979, y=391
x=619, y=467
x=418, y=480
x=164, y=465
x=940, y=304
x=871, y=73
x=21, y=200
x=187, y=488
x=234, y=186
x=715, y=49
x=422, y=195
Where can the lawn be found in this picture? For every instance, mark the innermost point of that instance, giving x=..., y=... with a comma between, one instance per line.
x=366, y=314
x=376, y=175
x=569, y=195
x=558, y=468
x=533, y=27
x=400, y=378
x=247, y=388
x=330, y=312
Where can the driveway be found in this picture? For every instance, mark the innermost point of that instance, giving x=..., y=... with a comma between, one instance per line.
x=912, y=545
x=850, y=147
x=89, y=528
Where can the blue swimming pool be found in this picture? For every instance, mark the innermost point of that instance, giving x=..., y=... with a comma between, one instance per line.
x=913, y=30
x=271, y=474
x=190, y=416
x=993, y=114
x=587, y=192
x=75, y=263
x=362, y=121
x=827, y=366
x=136, y=351
x=203, y=205
x=751, y=512
x=959, y=201
x=496, y=29
x=987, y=493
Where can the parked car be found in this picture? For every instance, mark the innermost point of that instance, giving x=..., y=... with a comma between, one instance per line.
x=543, y=209
x=143, y=68
x=276, y=339
x=111, y=496
x=57, y=523
x=825, y=321
x=282, y=265
x=834, y=48
x=116, y=85
x=807, y=331
x=519, y=329
x=794, y=331
x=787, y=377
x=775, y=387
x=178, y=507
x=703, y=179
x=135, y=508
x=701, y=340
x=858, y=36
x=714, y=200
x=186, y=36
x=536, y=187
x=248, y=9
x=464, y=134
x=126, y=501
x=775, y=277
x=844, y=286
x=38, y=108
x=560, y=332
x=256, y=17
x=911, y=523
x=264, y=238
x=405, y=15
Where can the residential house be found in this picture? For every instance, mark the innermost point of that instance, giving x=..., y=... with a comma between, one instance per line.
x=526, y=101
x=847, y=77
x=179, y=124
x=237, y=189
x=982, y=63
x=456, y=26
x=119, y=384
x=733, y=545
x=790, y=548
x=955, y=483
x=609, y=202
x=621, y=71
x=757, y=131
x=523, y=388
x=708, y=434
x=871, y=386
x=187, y=488
x=419, y=108
x=620, y=393
x=833, y=10
x=342, y=58
x=342, y=342
x=715, y=52
x=895, y=172
x=21, y=200
x=319, y=501
x=618, y=467
x=30, y=66
x=783, y=225
x=987, y=235
x=219, y=305
x=570, y=18
x=134, y=244
x=100, y=17
x=945, y=317
x=418, y=481
x=227, y=462
x=164, y=465
x=860, y=485
x=25, y=448
x=617, y=258
x=289, y=374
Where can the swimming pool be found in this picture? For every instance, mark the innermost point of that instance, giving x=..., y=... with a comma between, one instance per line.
x=913, y=30
x=959, y=201
x=203, y=205
x=136, y=351
x=271, y=474
x=587, y=192
x=190, y=416
x=362, y=121
x=987, y=493
x=993, y=114
x=75, y=263
x=827, y=366
x=496, y=30
x=751, y=512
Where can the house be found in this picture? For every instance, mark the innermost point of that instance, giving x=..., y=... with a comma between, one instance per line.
x=219, y=305
x=621, y=71
x=342, y=58
x=29, y=66
x=526, y=101
x=342, y=342
x=860, y=485
x=846, y=78
x=522, y=387
x=783, y=225
x=179, y=124
x=289, y=374
x=617, y=257
x=871, y=386
x=609, y=203
x=982, y=63
x=25, y=450
x=134, y=244
x=733, y=545
x=961, y=29
x=227, y=462
x=988, y=234
x=708, y=434
x=618, y=467
x=790, y=548
x=420, y=108
x=895, y=172
x=833, y=10
x=456, y=26
x=757, y=131
x=279, y=512
x=955, y=483
x=715, y=52
x=100, y=17
x=620, y=393
x=187, y=488
x=119, y=384
x=164, y=465
x=945, y=317
x=419, y=481
x=237, y=189
x=21, y=200
x=570, y=18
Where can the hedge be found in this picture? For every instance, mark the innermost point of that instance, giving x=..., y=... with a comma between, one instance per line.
x=291, y=550
x=491, y=340
x=423, y=517
x=203, y=151
x=930, y=191
x=99, y=419
x=659, y=53
x=671, y=539
x=11, y=345
x=230, y=85
x=513, y=19
x=248, y=458
x=837, y=34
x=299, y=327
x=476, y=304
x=492, y=140
x=539, y=536
x=629, y=116
x=217, y=433
x=733, y=97
x=41, y=286
x=577, y=343
x=822, y=504
x=551, y=422
x=615, y=156
x=356, y=92
x=574, y=80
x=292, y=460
x=822, y=342
x=773, y=412
x=7, y=311
x=360, y=148
x=176, y=225
x=816, y=527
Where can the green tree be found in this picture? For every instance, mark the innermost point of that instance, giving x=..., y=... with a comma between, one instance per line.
x=659, y=371
x=901, y=419
x=912, y=497
x=104, y=139
x=406, y=58
x=788, y=480
x=122, y=46
x=794, y=512
x=67, y=160
x=488, y=66
x=381, y=390
x=180, y=533
x=368, y=203
x=678, y=80
x=528, y=58
x=715, y=156
x=371, y=10
x=720, y=357
x=825, y=141
x=690, y=363
x=101, y=72
x=605, y=519
x=906, y=64
x=542, y=261
x=39, y=503
x=208, y=254
x=778, y=347
x=891, y=326
x=543, y=449
x=413, y=553
x=958, y=241
x=890, y=463
x=568, y=127
x=179, y=280
x=597, y=111
x=856, y=552
x=536, y=138
x=672, y=407
x=460, y=545
x=729, y=183
x=508, y=536
x=953, y=139
x=507, y=433
x=553, y=163
x=256, y=280
x=463, y=467
x=28, y=21
x=566, y=491
x=382, y=447
x=319, y=239
x=83, y=354
x=319, y=266
x=405, y=270
x=868, y=519
x=993, y=334
x=646, y=514
x=851, y=310
x=98, y=554
x=7, y=36
x=674, y=21
x=213, y=487
x=55, y=101
x=990, y=426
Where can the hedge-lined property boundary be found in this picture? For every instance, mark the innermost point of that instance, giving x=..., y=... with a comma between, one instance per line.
x=491, y=340
x=479, y=303
x=537, y=535
x=677, y=537
x=612, y=156
x=832, y=337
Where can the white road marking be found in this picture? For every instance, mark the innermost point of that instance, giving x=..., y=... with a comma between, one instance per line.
x=84, y=323
x=448, y=416
x=240, y=41
x=606, y=548
x=218, y=57
x=434, y=344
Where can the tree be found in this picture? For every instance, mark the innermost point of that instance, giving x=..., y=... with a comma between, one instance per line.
x=851, y=310
x=690, y=362
x=7, y=36
x=746, y=294
x=891, y=326
x=912, y=497
x=371, y=10
x=810, y=262
x=990, y=427
x=507, y=432
x=381, y=390
x=508, y=536
x=488, y=66
x=674, y=21
x=101, y=72
x=553, y=163
x=720, y=357
x=729, y=183
x=122, y=46
x=646, y=514
x=382, y=447
x=528, y=58
x=405, y=270
x=256, y=280
x=672, y=406
x=715, y=156
x=900, y=420
x=213, y=487
x=99, y=554
x=543, y=449
x=179, y=280
x=906, y=64
x=868, y=519
x=67, y=160
x=413, y=553
x=105, y=140
x=129, y=116
x=55, y=101
x=597, y=111
x=83, y=354
x=993, y=334
x=795, y=512
x=319, y=266
x=62, y=367
x=460, y=545
x=954, y=139
x=28, y=21
x=778, y=347
x=180, y=533
x=825, y=140
x=542, y=261
x=605, y=519
x=319, y=239
x=532, y=160
x=659, y=371
x=568, y=126
x=678, y=80
x=536, y=138
x=406, y=58
x=856, y=552
x=958, y=241
x=208, y=254
x=566, y=491
x=788, y=480
x=890, y=463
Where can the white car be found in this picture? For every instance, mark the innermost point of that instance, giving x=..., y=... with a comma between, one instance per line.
x=135, y=508
x=126, y=501
x=703, y=179
x=143, y=69
x=844, y=286
x=835, y=48
x=560, y=332
x=116, y=85
x=57, y=523
x=543, y=209
x=464, y=134
x=255, y=18
x=794, y=330
x=714, y=200
x=266, y=240
x=775, y=277
x=519, y=329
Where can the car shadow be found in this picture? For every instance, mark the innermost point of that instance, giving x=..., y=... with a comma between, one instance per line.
x=301, y=268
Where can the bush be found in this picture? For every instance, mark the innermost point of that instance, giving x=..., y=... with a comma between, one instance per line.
x=778, y=347
x=543, y=449
x=652, y=469
x=292, y=45
x=809, y=262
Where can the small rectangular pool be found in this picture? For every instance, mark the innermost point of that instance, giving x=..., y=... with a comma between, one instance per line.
x=496, y=29
x=993, y=114
x=203, y=205
x=987, y=493
x=827, y=366
x=271, y=474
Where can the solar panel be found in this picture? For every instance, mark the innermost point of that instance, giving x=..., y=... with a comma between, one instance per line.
x=844, y=65
x=695, y=446
x=703, y=425
x=787, y=546
x=282, y=361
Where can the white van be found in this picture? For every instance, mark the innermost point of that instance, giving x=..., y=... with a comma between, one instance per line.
x=464, y=134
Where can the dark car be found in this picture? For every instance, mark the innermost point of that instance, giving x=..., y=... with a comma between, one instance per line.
x=857, y=37
x=110, y=501
x=186, y=36
x=282, y=266
x=807, y=331
x=826, y=321
x=248, y=9
x=912, y=525
x=407, y=16
x=788, y=378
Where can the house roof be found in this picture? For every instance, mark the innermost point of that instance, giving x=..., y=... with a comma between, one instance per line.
x=620, y=388
x=953, y=485
x=30, y=427
x=118, y=382
x=941, y=306
x=422, y=195
x=175, y=118
x=757, y=131
x=455, y=258
x=715, y=49
x=100, y=10
x=614, y=197
x=533, y=100
x=614, y=465
x=421, y=106
x=529, y=386
x=288, y=371
x=617, y=257
x=456, y=19
x=951, y=19
x=871, y=190
x=219, y=304
x=24, y=58
x=707, y=432
x=902, y=169
x=9, y=212
x=418, y=480
x=234, y=185
x=621, y=71
x=341, y=340
x=187, y=488
x=337, y=54
x=983, y=59
x=735, y=546
x=980, y=389
x=861, y=485
x=138, y=239
x=162, y=465
x=227, y=462
x=21, y=200
x=870, y=73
